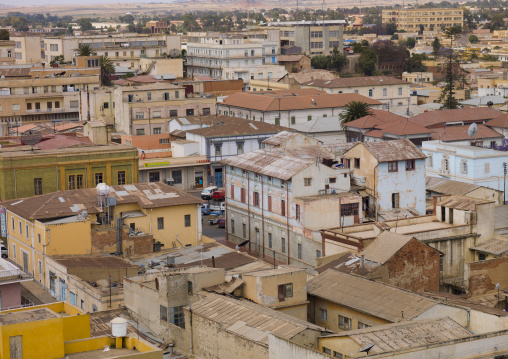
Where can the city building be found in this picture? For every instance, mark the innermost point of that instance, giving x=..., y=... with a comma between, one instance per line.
x=288, y=107
x=421, y=19
x=393, y=173
x=461, y=116
x=11, y=289
x=436, y=186
x=130, y=219
x=145, y=110
x=312, y=37
x=295, y=63
x=385, y=89
x=158, y=26
x=420, y=78
x=465, y=163
x=28, y=49
x=7, y=52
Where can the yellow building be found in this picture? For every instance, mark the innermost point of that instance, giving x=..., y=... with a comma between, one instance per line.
x=60, y=330
x=28, y=49
x=76, y=223
x=430, y=19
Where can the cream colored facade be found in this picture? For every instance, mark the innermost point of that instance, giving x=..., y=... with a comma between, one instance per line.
x=145, y=110
x=162, y=66
x=430, y=19
x=97, y=105
x=28, y=49
x=45, y=98
x=418, y=77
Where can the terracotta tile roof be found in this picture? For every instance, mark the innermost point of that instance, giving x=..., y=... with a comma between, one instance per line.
x=377, y=118
x=356, y=81
x=370, y=297
x=62, y=141
x=145, y=79
x=500, y=121
x=229, y=126
x=375, y=133
x=292, y=100
x=68, y=126
x=178, y=133
x=459, y=133
x=404, y=127
x=395, y=150
x=466, y=114
x=73, y=202
x=24, y=128
x=270, y=163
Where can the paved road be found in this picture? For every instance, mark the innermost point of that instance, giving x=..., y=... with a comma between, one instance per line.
x=210, y=230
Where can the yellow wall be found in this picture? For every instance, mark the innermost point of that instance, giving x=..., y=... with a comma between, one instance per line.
x=60, y=243
x=343, y=345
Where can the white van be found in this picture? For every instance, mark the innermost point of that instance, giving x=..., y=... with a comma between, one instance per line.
x=208, y=191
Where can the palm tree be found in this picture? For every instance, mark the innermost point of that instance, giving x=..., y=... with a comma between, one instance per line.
x=107, y=69
x=354, y=111
x=85, y=50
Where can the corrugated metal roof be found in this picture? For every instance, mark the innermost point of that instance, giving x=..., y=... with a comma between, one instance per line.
x=392, y=337
x=374, y=298
x=230, y=126
x=276, y=271
x=493, y=246
x=92, y=262
x=396, y=150
x=462, y=203
x=357, y=81
x=385, y=246
x=280, y=138
x=251, y=321
x=270, y=163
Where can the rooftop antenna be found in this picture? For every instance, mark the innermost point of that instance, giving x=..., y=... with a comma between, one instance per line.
x=366, y=349
x=31, y=138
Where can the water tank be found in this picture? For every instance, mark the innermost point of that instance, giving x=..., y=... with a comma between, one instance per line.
x=119, y=327
x=103, y=189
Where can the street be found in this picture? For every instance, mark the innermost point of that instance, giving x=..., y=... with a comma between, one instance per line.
x=210, y=230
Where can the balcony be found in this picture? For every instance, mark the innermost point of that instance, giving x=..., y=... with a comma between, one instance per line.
x=51, y=110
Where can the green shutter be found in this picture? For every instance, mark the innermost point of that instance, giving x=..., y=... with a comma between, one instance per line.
x=277, y=121
x=309, y=118
x=293, y=120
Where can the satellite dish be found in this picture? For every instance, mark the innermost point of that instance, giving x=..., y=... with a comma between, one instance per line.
x=490, y=104
x=473, y=129
x=31, y=138
x=497, y=286
x=366, y=348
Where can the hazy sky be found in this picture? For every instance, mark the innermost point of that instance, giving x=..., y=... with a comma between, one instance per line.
x=79, y=2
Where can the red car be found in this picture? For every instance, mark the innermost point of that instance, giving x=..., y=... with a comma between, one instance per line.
x=222, y=223
x=219, y=195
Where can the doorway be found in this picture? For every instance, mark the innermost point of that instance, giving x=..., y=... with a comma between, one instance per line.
x=16, y=347
x=218, y=177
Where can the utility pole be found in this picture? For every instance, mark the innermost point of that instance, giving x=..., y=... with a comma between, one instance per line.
x=505, y=171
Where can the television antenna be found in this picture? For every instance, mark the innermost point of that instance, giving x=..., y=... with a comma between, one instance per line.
x=31, y=138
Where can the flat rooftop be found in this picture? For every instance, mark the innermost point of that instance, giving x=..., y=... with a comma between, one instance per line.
x=27, y=316
x=407, y=229
x=93, y=354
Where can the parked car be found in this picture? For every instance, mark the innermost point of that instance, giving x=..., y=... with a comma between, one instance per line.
x=219, y=195
x=214, y=218
x=205, y=209
x=208, y=192
x=222, y=223
x=5, y=252
x=218, y=208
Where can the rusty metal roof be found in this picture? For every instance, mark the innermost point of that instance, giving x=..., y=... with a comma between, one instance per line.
x=462, y=203
x=280, y=138
x=447, y=186
x=73, y=202
x=385, y=246
x=370, y=297
x=493, y=246
x=396, y=150
x=92, y=262
x=251, y=321
x=356, y=81
x=276, y=271
x=270, y=163
x=227, y=287
x=405, y=335
x=230, y=126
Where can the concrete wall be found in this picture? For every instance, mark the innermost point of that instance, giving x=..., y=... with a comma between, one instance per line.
x=483, y=276
x=282, y=349
x=10, y=295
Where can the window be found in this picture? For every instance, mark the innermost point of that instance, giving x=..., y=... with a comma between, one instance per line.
x=344, y=323
x=385, y=92
x=363, y=325
x=27, y=231
x=177, y=176
x=94, y=308
x=189, y=112
x=140, y=115
x=277, y=121
x=299, y=251
x=327, y=351
x=164, y=141
x=282, y=208
x=52, y=279
x=323, y=315
x=393, y=166
x=218, y=150
x=239, y=148
x=74, y=104
x=176, y=316
x=243, y=195
x=371, y=93
x=12, y=223
x=20, y=227
x=463, y=165
x=270, y=203
x=357, y=163
x=395, y=200
x=332, y=180
x=157, y=131
x=233, y=226
x=39, y=237
x=283, y=242
x=140, y=131
x=297, y=212
x=430, y=161
x=482, y=256
x=400, y=91
x=410, y=165
x=285, y=291
x=130, y=98
x=121, y=177
x=28, y=106
x=177, y=95
x=338, y=355
x=160, y=223
x=270, y=243
x=187, y=220
x=37, y=186
x=190, y=291
x=148, y=96
x=318, y=253
x=163, y=313
x=307, y=181
x=98, y=178
x=73, y=298
x=173, y=113
x=244, y=230
x=255, y=197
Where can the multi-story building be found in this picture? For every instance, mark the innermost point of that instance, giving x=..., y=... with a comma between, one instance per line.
x=313, y=37
x=26, y=173
x=387, y=90
x=28, y=49
x=145, y=110
x=289, y=107
x=6, y=52
x=428, y=18
x=233, y=57
x=158, y=26
x=46, y=94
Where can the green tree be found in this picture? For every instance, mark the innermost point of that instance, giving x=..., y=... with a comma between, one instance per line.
x=473, y=39
x=353, y=111
x=337, y=60
x=320, y=62
x=415, y=63
x=410, y=42
x=367, y=62
x=436, y=46
x=394, y=37
x=85, y=50
x=85, y=24
x=390, y=28
x=4, y=34
x=107, y=69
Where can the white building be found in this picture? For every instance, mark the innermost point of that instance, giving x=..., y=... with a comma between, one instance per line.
x=465, y=163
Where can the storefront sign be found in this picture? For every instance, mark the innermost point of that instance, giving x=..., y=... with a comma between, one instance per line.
x=3, y=219
x=157, y=164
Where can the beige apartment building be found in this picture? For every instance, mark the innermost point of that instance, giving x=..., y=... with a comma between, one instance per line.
x=28, y=48
x=430, y=19
x=146, y=110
